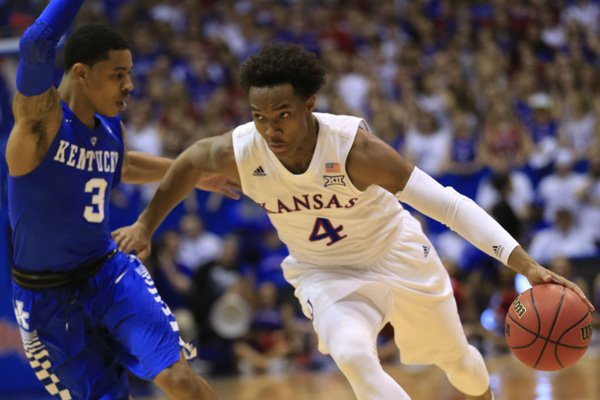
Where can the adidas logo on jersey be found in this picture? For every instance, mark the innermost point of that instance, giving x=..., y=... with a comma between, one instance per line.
x=498, y=250
x=259, y=172
x=425, y=251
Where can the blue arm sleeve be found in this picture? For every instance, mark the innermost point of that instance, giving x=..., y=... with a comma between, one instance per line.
x=35, y=73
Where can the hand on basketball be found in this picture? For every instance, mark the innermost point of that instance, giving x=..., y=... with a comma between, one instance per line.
x=219, y=184
x=133, y=239
x=541, y=275
x=522, y=263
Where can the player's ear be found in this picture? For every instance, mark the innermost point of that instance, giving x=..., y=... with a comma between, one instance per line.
x=80, y=71
x=311, y=103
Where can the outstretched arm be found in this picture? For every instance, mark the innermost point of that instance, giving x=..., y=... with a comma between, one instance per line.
x=141, y=167
x=37, y=46
x=36, y=106
x=371, y=161
x=144, y=168
x=206, y=157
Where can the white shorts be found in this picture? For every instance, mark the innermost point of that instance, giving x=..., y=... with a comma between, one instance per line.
x=408, y=284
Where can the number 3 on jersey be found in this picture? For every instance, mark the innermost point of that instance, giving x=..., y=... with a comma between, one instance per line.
x=324, y=229
x=95, y=212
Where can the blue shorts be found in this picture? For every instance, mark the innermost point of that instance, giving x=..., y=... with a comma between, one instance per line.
x=81, y=342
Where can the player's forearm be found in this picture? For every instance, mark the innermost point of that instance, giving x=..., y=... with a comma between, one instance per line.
x=520, y=261
x=37, y=53
x=61, y=14
x=459, y=213
x=144, y=168
x=177, y=184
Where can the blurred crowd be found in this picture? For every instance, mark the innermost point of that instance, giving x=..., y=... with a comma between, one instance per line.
x=499, y=99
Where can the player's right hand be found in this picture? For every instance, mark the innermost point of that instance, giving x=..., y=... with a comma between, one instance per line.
x=133, y=239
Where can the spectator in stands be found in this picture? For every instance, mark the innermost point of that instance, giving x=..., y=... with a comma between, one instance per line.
x=504, y=141
x=542, y=126
x=562, y=238
x=196, y=245
x=560, y=188
x=502, y=211
x=521, y=196
x=564, y=266
x=210, y=283
x=589, y=197
x=266, y=347
x=577, y=129
x=174, y=282
x=427, y=143
x=403, y=43
x=464, y=158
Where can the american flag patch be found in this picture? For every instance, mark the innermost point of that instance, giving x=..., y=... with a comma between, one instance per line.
x=332, y=167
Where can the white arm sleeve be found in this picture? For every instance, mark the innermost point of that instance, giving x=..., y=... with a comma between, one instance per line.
x=459, y=213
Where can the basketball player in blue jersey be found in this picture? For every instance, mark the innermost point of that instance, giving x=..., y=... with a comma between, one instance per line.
x=357, y=258
x=87, y=312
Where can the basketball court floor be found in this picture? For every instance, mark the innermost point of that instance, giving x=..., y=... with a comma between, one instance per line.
x=509, y=378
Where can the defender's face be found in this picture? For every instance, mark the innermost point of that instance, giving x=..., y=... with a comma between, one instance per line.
x=108, y=83
x=282, y=119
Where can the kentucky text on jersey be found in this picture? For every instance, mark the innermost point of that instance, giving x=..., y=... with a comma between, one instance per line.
x=307, y=202
x=84, y=159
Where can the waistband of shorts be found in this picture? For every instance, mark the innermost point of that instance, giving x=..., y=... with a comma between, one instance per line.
x=58, y=280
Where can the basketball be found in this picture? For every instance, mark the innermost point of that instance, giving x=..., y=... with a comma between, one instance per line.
x=548, y=327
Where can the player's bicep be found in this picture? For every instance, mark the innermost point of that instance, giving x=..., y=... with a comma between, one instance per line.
x=214, y=155
x=371, y=161
x=32, y=110
x=37, y=120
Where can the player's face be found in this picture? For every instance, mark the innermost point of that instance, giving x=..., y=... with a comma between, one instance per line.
x=108, y=83
x=283, y=120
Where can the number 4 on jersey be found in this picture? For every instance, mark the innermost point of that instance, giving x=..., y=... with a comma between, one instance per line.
x=324, y=229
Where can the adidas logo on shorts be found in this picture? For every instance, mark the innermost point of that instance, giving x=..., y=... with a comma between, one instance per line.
x=259, y=172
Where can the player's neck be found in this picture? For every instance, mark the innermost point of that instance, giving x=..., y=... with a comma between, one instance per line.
x=304, y=155
x=77, y=102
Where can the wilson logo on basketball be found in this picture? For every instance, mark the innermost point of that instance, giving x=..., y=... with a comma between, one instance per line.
x=586, y=332
x=519, y=308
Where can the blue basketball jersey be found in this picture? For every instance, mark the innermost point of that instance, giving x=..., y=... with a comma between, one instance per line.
x=59, y=211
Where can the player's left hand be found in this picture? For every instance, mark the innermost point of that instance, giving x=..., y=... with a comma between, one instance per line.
x=540, y=275
x=219, y=184
x=522, y=263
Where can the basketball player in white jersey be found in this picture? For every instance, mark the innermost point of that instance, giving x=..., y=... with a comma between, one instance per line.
x=357, y=258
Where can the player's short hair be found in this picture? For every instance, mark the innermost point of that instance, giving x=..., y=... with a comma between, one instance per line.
x=90, y=44
x=279, y=64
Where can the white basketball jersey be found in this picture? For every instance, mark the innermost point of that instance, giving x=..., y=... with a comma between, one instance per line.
x=322, y=218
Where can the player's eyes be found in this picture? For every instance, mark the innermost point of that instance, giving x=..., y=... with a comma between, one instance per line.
x=258, y=117
x=284, y=114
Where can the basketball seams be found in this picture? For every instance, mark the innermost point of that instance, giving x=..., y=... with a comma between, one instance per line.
x=536, y=335
x=567, y=345
x=547, y=339
x=554, y=311
x=572, y=326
